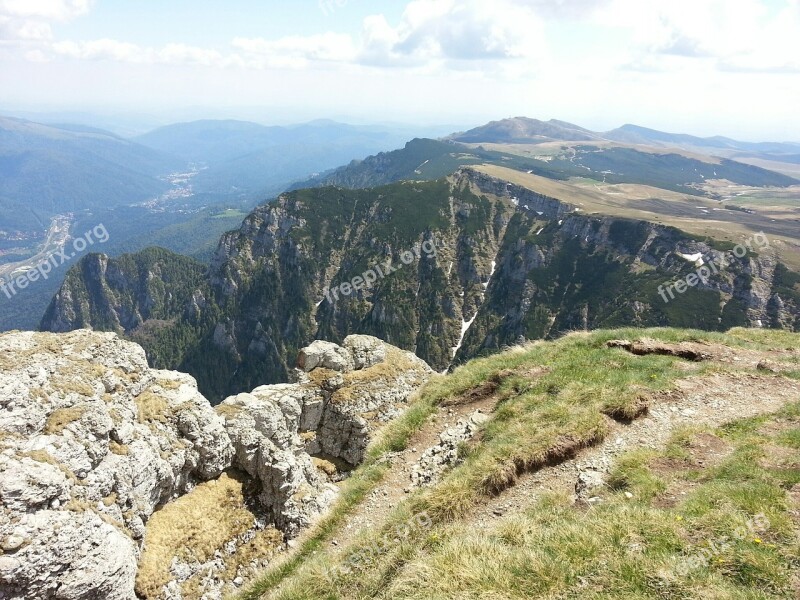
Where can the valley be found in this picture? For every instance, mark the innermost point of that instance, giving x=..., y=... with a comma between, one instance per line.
x=56, y=239
x=179, y=188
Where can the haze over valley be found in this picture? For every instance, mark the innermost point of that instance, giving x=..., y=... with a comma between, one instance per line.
x=431, y=299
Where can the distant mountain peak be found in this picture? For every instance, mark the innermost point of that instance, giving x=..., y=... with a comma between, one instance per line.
x=525, y=130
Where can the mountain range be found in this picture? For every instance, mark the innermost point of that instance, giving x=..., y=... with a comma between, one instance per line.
x=47, y=170
x=540, y=228
x=510, y=264
x=242, y=157
x=180, y=187
x=522, y=130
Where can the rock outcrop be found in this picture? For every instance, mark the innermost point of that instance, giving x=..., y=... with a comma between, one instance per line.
x=342, y=396
x=436, y=460
x=264, y=426
x=94, y=443
x=364, y=383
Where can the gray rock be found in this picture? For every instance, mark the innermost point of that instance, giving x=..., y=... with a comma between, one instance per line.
x=367, y=351
x=589, y=481
x=95, y=441
x=325, y=355
x=338, y=415
x=436, y=460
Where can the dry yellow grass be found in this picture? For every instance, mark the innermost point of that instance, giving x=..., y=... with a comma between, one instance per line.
x=226, y=411
x=61, y=418
x=194, y=527
x=66, y=383
x=169, y=384
x=43, y=456
x=152, y=408
x=117, y=449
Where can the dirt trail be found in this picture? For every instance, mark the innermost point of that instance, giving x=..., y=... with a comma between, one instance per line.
x=392, y=490
x=702, y=401
x=696, y=401
x=708, y=401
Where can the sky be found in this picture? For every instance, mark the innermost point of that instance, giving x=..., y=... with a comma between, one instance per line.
x=707, y=67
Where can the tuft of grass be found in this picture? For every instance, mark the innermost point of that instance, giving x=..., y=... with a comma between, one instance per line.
x=153, y=408
x=194, y=527
x=61, y=418
x=117, y=448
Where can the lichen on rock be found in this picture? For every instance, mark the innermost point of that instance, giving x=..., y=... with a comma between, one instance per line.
x=93, y=442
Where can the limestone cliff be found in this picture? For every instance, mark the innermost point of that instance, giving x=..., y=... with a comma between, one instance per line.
x=94, y=445
x=505, y=264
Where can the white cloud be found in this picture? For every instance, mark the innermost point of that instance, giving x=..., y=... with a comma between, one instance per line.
x=295, y=51
x=468, y=31
x=565, y=9
x=114, y=50
x=51, y=10
x=744, y=35
x=181, y=54
x=104, y=49
x=460, y=35
x=25, y=22
x=23, y=31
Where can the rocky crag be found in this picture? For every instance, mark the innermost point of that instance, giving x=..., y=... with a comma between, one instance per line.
x=95, y=447
x=505, y=264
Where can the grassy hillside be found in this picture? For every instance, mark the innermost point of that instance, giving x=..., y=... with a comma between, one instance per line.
x=702, y=497
x=47, y=170
x=252, y=160
x=423, y=159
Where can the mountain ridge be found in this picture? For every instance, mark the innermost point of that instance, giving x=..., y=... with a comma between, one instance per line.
x=527, y=130
x=510, y=264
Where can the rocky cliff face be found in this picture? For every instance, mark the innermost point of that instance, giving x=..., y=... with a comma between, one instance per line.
x=560, y=270
x=488, y=264
x=93, y=441
x=94, y=445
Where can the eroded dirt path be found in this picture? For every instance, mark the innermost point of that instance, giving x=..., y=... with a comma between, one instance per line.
x=699, y=401
x=393, y=489
x=710, y=401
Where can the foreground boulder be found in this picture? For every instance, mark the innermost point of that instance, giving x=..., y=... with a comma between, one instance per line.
x=342, y=396
x=92, y=442
x=108, y=468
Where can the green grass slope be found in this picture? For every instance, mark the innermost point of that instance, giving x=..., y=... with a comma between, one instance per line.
x=732, y=533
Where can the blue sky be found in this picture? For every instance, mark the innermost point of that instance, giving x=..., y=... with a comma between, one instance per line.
x=203, y=23
x=700, y=66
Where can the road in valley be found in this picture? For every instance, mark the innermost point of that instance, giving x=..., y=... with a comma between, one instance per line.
x=57, y=237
